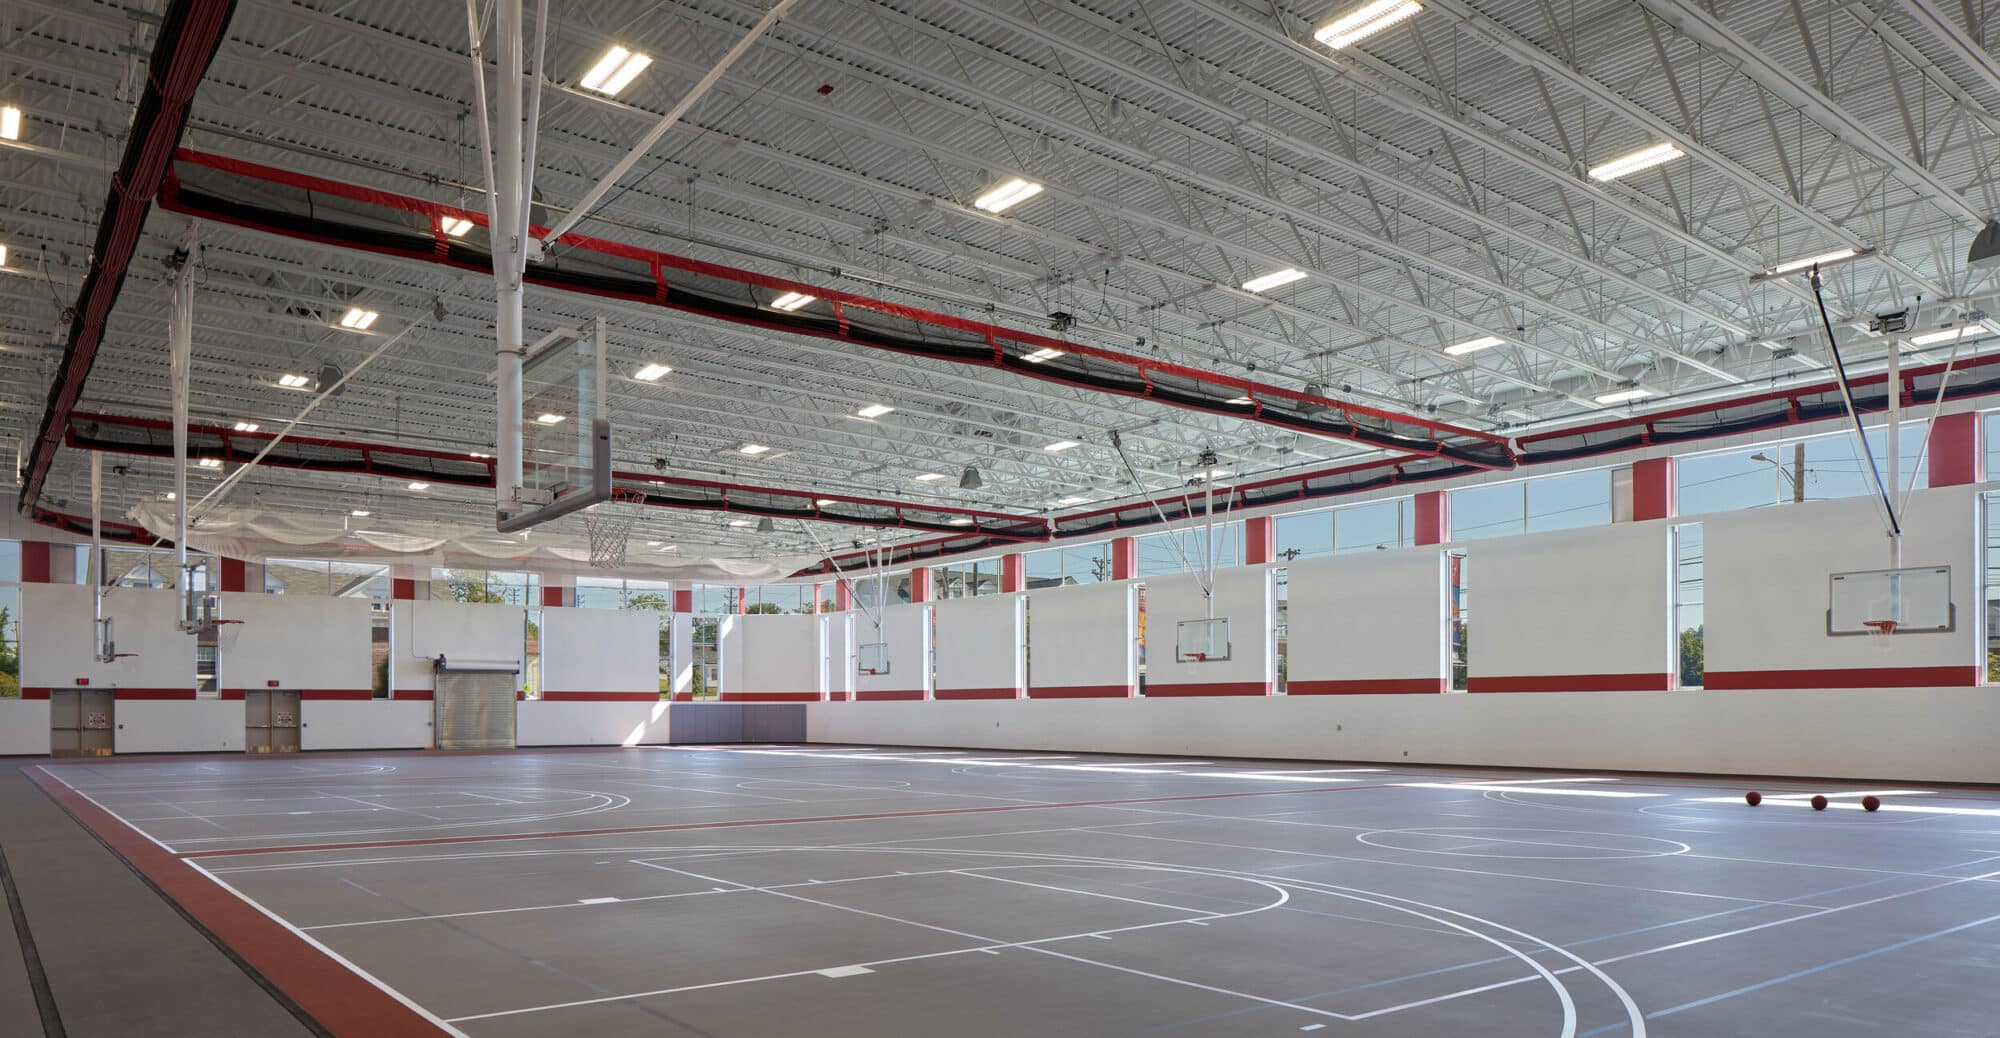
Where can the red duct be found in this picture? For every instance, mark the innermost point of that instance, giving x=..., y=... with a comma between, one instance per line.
x=153, y=437
x=190, y=33
x=310, y=208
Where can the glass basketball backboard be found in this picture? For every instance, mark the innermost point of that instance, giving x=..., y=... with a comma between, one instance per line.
x=1201, y=641
x=874, y=658
x=1912, y=601
x=565, y=427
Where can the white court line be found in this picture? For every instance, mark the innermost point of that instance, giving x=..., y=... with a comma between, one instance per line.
x=844, y=971
x=1839, y=805
x=598, y=900
x=1541, y=790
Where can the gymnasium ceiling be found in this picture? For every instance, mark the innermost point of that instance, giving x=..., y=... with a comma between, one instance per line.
x=1432, y=180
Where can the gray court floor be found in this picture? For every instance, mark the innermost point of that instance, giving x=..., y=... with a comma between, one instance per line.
x=830, y=892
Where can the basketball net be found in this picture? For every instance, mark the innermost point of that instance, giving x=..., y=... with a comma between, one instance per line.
x=609, y=527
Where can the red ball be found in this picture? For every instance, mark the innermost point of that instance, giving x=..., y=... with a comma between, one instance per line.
x=1870, y=803
x=1753, y=798
x=1818, y=802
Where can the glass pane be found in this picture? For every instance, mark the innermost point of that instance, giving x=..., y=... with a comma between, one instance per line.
x=1303, y=536
x=1043, y=569
x=1374, y=526
x=1489, y=511
x=1687, y=604
x=1087, y=563
x=10, y=562
x=297, y=577
x=1569, y=500
x=1161, y=554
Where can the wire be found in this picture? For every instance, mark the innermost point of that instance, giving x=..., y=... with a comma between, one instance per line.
x=1173, y=535
x=1847, y=395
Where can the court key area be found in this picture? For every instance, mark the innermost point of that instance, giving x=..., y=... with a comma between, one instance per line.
x=856, y=891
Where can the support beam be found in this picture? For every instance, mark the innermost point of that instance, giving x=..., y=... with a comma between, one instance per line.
x=1957, y=450
x=1433, y=510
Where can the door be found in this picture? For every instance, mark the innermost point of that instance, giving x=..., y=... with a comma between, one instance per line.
x=284, y=722
x=81, y=722
x=474, y=709
x=256, y=721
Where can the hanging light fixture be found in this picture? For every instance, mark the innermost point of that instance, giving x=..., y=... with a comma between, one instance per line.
x=765, y=525
x=970, y=480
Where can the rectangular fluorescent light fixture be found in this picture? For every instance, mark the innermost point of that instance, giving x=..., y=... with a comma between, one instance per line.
x=1970, y=331
x=1484, y=342
x=10, y=123
x=1644, y=158
x=550, y=419
x=1365, y=21
x=1812, y=261
x=357, y=319
x=739, y=522
x=753, y=449
x=791, y=301
x=614, y=71
x=931, y=477
x=169, y=496
x=246, y=426
x=1061, y=445
x=1624, y=395
x=1217, y=472
x=1275, y=279
x=455, y=226
x=420, y=486
x=293, y=381
x=1073, y=499
x=823, y=502
x=1239, y=401
x=476, y=454
x=361, y=513
x=651, y=372
x=961, y=521
x=653, y=544
x=209, y=463
x=874, y=411
x=3, y=255
x=1007, y=195
x=1042, y=355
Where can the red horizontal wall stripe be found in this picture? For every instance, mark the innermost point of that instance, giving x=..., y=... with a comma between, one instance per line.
x=772, y=697
x=1080, y=692
x=1214, y=688
x=898, y=695
x=34, y=693
x=230, y=693
x=336, y=693
x=413, y=693
x=683, y=697
x=1367, y=686
x=154, y=693
x=601, y=697
x=1844, y=677
x=977, y=693
x=1573, y=683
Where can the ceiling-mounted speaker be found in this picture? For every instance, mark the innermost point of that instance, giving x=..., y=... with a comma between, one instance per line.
x=329, y=377
x=1985, y=251
x=970, y=480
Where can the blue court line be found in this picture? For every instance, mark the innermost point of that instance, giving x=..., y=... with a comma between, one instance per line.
x=1774, y=981
x=1938, y=872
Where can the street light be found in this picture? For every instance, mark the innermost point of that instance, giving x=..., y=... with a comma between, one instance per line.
x=1798, y=490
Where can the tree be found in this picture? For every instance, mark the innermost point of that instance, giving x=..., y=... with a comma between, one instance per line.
x=765, y=608
x=1693, y=658
x=10, y=658
x=471, y=587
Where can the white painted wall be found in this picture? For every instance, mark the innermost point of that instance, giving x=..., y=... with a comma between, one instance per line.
x=981, y=646
x=24, y=727
x=1554, y=606
x=57, y=640
x=774, y=654
x=906, y=629
x=600, y=650
x=1765, y=584
x=682, y=642
x=1084, y=637
x=378, y=724
x=543, y=723
x=1368, y=622
x=178, y=726
x=299, y=641
x=1899, y=735
x=1245, y=595
x=459, y=631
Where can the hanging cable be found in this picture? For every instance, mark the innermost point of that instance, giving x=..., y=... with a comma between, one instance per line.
x=1847, y=395
x=1173, y=535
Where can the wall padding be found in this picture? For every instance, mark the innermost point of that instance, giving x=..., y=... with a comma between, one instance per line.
x=1370, y=622
x=313, y=644
x=1083, y=641
x=982, y=647
x=1584, y=610
x=58, y=641
x=774, y=657
x=459, y=631
x=906, y=630
x=600, y=654
x=1247, y=596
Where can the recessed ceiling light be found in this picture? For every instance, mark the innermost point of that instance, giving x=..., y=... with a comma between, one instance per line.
x=739, y=522
x=1061, y=445
x=357, y=319
x=931, y=477
x=420, y=486
x=1007, y=195
x=652, y=544
x=361, y=513
x=652, y=372
x=960, y=521
x=1275, y=279
x=1365, y=21
x=1624, y=395
x=1644, y=158
x=874, y=411
x=1484, y=342
x=550, y=419
x=293, y=381
x=1073, y=499
x=1812, y=261
x=791, y=301
x=10, y=123
x=455, y=226
x=209, y=463
x=246, y=426
x=614, y=71
x=753, y=449
x=1042, y=355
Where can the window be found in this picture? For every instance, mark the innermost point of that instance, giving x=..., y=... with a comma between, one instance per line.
x=1494, y=510
x=619, y=593
x=1821, y=468
x=780, y=598
x=870, y=590
x=326, y=578
x=1690, y=644
x=966, y=579
x=10, y=639
x=1991, y=543
x=10, y=562
x=1302, y=536
x=1568, y=500
x=495, y=586
x=1086, y=563
x=1375, y=526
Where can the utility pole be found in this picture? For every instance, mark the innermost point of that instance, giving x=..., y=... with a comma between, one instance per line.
x=1799, y=472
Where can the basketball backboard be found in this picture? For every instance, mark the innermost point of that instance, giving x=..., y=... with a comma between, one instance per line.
x=1201, y=641
x=1914, y=600
x=873, y=658
x=565, y=427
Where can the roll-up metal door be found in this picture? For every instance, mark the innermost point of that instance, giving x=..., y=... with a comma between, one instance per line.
x=473, y=707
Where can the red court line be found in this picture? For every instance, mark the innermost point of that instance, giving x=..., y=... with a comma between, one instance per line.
x=336, y=997
x=441, y=841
